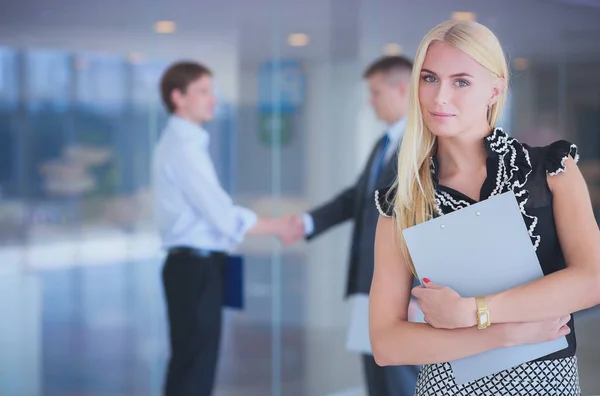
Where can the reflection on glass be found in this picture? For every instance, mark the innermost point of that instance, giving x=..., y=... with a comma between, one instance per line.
x=8, y=127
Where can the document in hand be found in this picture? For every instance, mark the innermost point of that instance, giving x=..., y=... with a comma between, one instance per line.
x=233, y=283
x=358, y=339
x=479, y=250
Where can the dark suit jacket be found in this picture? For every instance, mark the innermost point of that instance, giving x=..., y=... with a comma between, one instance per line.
x=356, y=204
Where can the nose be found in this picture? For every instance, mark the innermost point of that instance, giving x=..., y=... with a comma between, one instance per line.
x=443, y=94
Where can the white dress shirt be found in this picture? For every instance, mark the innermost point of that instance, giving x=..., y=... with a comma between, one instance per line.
x=192, y=209
x=394, y=132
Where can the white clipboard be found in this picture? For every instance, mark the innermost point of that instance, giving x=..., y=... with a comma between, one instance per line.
x=482, y=249
x=357, y=338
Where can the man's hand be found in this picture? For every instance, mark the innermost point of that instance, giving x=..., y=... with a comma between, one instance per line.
x=291, y=229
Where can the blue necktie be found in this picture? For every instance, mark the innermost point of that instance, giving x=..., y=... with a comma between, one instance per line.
x=377, y=164
x=374, y=172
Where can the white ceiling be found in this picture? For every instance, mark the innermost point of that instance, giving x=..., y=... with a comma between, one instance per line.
x=529, y=28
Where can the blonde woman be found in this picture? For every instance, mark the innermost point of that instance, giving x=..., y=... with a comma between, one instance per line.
x=454, y=155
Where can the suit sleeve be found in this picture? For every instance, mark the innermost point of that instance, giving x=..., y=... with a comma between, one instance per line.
x=340, y=208
x=334, y=212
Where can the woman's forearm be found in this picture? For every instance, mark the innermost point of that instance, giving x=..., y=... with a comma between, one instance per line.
x=410, y=343
x=561, y=293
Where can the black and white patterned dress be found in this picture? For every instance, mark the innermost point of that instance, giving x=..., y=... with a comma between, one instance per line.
x=523, y=169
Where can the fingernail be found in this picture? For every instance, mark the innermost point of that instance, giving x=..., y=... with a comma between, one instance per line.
x=426, y=280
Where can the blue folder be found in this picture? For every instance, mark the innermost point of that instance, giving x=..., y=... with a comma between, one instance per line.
x=233, y=289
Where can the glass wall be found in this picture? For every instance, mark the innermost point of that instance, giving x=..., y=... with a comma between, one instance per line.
x=83, y=311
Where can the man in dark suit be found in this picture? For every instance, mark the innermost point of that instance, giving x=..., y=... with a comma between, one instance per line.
x=388, y=80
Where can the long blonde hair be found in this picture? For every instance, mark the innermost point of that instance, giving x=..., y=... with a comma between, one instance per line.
x=414, y=202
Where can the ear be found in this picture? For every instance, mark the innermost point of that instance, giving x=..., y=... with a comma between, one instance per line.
x=403, y=87
x=176, y=97
x=498, y=89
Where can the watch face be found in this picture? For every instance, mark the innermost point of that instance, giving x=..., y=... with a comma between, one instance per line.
x=483, y=318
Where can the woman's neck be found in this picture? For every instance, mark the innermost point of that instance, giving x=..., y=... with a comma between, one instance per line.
x=459, y=154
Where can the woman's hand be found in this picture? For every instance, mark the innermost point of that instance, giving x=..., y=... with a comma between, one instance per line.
x=533, y=332
x=444, y=308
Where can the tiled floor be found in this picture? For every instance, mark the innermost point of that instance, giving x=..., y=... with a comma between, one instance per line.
x=104, y=334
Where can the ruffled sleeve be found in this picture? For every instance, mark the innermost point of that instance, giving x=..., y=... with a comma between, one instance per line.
x=384, y=201
x=557, y=154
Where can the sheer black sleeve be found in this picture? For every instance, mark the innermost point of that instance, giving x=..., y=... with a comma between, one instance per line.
x=384, y=201
x=557, y=154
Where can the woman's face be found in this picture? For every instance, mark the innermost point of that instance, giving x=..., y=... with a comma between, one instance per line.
x=455, y=91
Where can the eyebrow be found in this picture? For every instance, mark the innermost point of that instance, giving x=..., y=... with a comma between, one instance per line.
x=453, y=76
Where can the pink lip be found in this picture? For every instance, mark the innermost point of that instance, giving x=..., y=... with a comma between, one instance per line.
x=436, y=114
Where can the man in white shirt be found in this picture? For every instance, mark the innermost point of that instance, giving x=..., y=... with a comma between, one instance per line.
x=388, y=79
x=198, y=225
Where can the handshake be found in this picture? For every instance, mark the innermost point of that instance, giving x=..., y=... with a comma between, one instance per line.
x=289, y=229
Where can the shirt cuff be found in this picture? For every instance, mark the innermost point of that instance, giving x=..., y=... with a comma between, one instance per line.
x=309, y=224
x=247, y=220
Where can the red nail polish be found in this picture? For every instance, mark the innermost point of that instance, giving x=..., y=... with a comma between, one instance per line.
x=426, y=280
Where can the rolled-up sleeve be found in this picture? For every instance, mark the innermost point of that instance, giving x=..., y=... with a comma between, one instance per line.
x=208, y=198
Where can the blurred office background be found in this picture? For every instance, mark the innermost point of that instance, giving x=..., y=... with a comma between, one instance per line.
x=81, y=304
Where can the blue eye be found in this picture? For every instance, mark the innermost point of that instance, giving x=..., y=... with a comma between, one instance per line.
x=462, y=83
x=429, y=79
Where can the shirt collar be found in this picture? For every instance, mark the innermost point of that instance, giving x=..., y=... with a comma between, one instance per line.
x=187, y=130
x=395, y=132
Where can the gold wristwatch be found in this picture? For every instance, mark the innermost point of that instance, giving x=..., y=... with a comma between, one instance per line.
x=483, y=313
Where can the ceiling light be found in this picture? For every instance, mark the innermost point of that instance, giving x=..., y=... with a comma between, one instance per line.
x=463, y=16
x=520, y=64
x=164, y=27
x=392, y=49
x=298, y=40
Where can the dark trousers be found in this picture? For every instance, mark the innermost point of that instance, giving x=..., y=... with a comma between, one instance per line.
x=194, y=293
x=389, y=380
